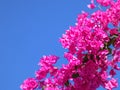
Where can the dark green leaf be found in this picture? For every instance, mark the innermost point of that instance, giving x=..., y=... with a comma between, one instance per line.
x=67, y=83
x=75, y=75
x=85, y=59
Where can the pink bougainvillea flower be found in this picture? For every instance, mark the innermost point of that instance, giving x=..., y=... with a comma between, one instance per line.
x=48, y=60
x=91, y=6
x=105, y=2
x=29, y=84
x=41, y=73
x=111, y=84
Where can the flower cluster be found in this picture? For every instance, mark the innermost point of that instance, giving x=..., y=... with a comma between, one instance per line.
x=29, y=84
x=93, y=53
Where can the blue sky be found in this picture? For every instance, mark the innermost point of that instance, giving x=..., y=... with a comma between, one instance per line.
x=30, y=29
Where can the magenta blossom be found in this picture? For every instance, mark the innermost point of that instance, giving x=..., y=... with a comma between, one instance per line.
x=29, y=84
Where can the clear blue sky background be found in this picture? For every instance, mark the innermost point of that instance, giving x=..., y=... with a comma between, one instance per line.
x=30, y=29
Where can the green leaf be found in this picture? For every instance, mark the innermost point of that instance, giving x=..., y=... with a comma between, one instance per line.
x=75, y=75
x=67, y=83
x=85, y=59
